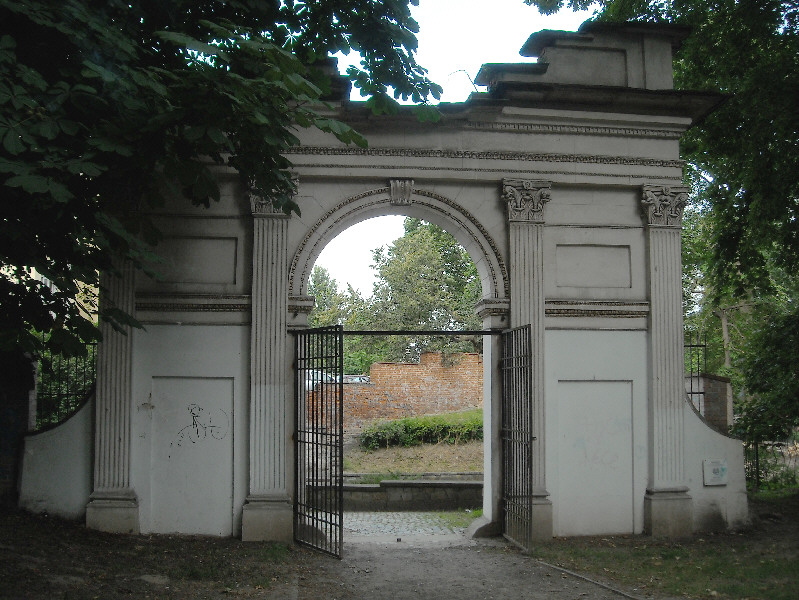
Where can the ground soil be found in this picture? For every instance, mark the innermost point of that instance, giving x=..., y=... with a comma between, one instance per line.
x=43, y=558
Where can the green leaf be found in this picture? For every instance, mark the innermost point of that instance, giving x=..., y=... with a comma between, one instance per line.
x=17, y=168
x=69, y=127
x=108, y=145
x=94, y=70
x=190, y=43
x=33, y=184
x=217, y=136
x=7, y=42
x=12, y=143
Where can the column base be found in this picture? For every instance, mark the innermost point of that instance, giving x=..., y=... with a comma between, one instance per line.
x=668, y=513
x=267, y=520
x=113, y=513
x=482, y=527
x=543, y=528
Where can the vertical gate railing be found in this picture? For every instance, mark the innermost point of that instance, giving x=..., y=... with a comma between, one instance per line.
x=319, y=439
x=517, y=436
x=63, y=386
x=695, y=367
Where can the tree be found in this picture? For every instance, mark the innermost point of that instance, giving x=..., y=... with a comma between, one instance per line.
x=333, y=307
x=426, y=280
x=329, y=305
x=108, y=107
x=772, y=377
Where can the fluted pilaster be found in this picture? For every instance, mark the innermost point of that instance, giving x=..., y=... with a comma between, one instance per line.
x=113, y=505
x=268, y=376
x=526, y=200
x=267, y=514
x=662, y=208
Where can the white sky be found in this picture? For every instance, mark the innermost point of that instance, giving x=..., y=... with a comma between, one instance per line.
x=455, y=38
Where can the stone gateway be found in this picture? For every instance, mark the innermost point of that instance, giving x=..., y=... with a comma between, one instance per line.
x=563, y=182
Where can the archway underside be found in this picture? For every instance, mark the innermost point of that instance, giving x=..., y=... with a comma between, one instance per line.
x=423, y=204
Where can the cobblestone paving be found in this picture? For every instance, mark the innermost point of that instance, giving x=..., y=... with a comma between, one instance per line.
x=358, y=524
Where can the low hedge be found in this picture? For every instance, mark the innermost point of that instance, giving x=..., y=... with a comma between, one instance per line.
x=429, y=429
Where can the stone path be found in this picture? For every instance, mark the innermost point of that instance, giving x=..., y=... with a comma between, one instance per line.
x=367, y=524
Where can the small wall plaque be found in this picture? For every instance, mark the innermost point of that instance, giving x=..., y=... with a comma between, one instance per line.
x=715, y=471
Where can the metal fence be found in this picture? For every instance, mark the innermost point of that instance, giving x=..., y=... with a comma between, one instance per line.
x=772, y=465
x=63, y=385
x=695, y=365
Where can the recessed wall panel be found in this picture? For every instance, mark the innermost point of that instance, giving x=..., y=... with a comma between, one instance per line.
x=210, y=260
x=595, y=457
x=192, y=455
x=593, y=266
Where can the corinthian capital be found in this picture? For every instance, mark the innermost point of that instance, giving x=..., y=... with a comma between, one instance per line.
x=263, y=207
x=663, y=205
x=525, y=199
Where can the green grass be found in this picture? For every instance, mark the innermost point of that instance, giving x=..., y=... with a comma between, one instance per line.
x=431, y=429
x=776, y=494
x=372, y=478
x=459, y=518
x=756, y=564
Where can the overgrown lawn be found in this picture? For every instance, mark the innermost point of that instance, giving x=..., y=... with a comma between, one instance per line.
x=759, y=563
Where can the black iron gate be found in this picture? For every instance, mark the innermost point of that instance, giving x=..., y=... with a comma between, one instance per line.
x=319, y=439
x=517, y=436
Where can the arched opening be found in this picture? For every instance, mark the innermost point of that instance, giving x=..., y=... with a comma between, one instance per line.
x=398, y=392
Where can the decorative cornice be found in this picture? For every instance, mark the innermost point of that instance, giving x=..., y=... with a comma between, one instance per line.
x=301, y=304
x=525, y=199
x=663, y=205
x=493, y=307
x=400, y=192
x=578, y=312
x=484, y=155
x=527, y=128
x=193, y=303
x=596, y=308
x=186, y=307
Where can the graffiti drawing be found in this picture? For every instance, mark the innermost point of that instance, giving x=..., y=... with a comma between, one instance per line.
x=215, y=425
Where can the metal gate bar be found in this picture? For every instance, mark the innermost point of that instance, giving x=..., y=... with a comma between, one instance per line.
x=319, y=439
x=517, y=436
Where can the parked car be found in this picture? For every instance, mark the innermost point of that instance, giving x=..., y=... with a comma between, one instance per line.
x=314, y=377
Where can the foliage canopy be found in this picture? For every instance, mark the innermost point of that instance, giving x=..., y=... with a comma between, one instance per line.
x=107, y=108
x=425, y=281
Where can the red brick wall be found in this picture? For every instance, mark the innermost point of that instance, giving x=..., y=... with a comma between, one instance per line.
x=718, y=401
x=398, y=390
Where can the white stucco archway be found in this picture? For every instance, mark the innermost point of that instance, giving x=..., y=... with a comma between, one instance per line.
x=563, y=184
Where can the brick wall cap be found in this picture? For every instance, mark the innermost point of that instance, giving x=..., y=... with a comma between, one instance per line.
x=715, y=377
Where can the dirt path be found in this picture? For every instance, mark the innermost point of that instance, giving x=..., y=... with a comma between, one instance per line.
x=43, y=558
x=437, y=567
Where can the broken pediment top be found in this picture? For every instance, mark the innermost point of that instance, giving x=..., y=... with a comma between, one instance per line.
x=540, y=40
x=489, y=72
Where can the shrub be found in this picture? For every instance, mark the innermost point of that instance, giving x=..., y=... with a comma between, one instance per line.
x=428, y=429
